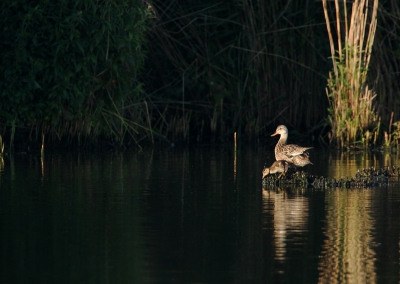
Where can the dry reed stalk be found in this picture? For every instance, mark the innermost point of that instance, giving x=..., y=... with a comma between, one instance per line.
x=352, y=111
x=1, y=146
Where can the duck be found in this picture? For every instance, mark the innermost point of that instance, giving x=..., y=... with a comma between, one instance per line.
x=276, y=167
x=301, y=160
x=288, y=152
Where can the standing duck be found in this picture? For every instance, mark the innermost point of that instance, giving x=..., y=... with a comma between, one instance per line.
x=276, y=167
x=289, y=152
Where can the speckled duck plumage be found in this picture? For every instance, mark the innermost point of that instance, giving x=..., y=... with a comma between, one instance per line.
x=290, y=152
x=276, y=167
x=301, y=160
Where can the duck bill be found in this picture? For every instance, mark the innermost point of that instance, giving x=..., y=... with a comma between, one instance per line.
x=273, y=134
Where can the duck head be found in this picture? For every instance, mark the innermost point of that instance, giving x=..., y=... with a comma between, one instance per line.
x=281, y=129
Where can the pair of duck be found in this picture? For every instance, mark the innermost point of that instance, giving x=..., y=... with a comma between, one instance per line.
x=286, y=155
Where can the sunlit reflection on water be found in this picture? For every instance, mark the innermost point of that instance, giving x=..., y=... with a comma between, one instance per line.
x=290, y=215
x=336, y=164
x=347, y=254
x=354, y=223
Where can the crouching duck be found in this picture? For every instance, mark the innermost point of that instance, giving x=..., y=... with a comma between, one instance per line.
x=276, y=167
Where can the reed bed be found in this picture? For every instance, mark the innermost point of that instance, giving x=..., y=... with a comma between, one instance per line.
x=236, y=66
x=353, y=118
x=213, y=69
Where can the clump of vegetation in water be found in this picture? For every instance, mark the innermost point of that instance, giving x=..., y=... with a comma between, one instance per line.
x=368, y=177
x=352, y=115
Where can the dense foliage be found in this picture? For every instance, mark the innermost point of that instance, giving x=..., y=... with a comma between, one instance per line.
x=68, y=61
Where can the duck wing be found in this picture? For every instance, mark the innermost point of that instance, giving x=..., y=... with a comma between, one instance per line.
x=293, y=150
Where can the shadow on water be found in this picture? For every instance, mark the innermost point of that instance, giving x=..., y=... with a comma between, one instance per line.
x=193, y=216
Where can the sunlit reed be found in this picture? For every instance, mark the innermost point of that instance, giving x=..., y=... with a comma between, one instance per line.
x=1, y=146
x=352, y=116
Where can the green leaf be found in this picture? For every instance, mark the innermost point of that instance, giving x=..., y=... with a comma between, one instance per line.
x=93, y=58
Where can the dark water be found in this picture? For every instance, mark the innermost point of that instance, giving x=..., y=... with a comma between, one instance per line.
x=193, y=216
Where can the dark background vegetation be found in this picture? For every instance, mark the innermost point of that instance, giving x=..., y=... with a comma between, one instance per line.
x=124, y=73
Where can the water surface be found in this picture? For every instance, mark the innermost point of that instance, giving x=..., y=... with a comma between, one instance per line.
x=193, y=216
